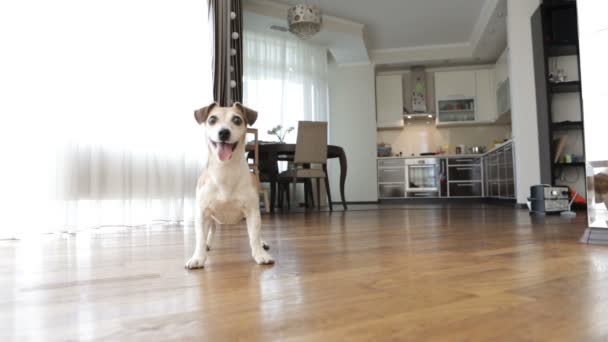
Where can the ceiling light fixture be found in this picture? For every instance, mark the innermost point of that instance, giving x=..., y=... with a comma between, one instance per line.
x=430, y=116
x=304, y=20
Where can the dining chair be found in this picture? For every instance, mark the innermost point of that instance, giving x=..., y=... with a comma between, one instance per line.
x=310, y=156
x=284, y=193
x=254, y=166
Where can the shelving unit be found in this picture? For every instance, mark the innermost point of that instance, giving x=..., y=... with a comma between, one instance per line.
x=564, y=49
x=573, y=164
x=567, y=125
x=565, y=87
x=554, y=42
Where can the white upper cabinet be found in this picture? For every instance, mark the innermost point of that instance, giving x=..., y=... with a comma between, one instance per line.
x=475, y=88
x=454, y=84
x=389, y=101
x=502, y=68
x=485, y=85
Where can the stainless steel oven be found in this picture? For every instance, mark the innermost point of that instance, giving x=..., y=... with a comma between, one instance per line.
x=422, y=176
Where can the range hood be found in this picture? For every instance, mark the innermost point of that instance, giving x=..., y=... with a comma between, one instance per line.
x=418, y=96
x=418, y=116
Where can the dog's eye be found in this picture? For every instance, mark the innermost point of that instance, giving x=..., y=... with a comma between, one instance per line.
x=212, y=120
x=237, y=120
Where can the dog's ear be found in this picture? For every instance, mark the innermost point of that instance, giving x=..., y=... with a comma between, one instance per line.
x=201, y=114
x=250, y=114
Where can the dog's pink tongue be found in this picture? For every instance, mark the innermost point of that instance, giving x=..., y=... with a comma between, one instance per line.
x=224, y=151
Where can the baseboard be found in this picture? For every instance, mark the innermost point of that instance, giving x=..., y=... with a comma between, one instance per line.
x=504, y=202
x=595, y=236
x=356, y=202
x=433, y=200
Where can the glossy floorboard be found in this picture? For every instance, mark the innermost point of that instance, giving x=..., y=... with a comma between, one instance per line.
x=451, y=274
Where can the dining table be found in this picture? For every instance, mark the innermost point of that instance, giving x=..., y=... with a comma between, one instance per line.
x=271, y=153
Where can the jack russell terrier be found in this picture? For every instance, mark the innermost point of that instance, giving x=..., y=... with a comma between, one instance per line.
x=226, y=191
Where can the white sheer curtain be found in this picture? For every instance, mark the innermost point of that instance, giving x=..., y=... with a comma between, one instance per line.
x=97, y=112
x=285, y=80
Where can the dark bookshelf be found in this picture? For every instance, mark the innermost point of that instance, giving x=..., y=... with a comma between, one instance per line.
x=565, y=87
x=567, y=125
x=573, y=164
x=561, y=49
x=554, y=35
x=558, y=5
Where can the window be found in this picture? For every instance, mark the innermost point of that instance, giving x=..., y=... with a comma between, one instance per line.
x=285, y=80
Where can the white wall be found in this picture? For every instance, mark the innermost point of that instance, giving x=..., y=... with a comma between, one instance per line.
x=352, y=125
x=523, y=95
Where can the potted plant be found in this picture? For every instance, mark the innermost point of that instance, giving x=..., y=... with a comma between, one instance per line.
x=279, y=133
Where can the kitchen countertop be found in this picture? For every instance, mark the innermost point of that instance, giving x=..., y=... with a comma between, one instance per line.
x=444, y=156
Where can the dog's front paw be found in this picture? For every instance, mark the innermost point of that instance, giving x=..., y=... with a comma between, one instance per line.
x=263, y=258
x=197, y=261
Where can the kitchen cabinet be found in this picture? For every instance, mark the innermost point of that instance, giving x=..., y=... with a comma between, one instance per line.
x=454, y=84
x=466, y=189
x=485, y=91
x=465, y=177
x=500, y=179
x=391, y=175
x=389, y=101
x=465, y=173
x=387, y=191
x=460, y=110
x=476, y=89
x=465, y=160
x=391, y=178
x=490, y=175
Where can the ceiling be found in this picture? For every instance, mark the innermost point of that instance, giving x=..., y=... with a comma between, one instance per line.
x=400, y=33
x=392, y=24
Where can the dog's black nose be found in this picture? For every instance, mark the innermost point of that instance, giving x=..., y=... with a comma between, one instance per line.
x=224, y=134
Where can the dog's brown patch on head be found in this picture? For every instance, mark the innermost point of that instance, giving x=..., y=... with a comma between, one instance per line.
x=249, y=114
x=201, y=114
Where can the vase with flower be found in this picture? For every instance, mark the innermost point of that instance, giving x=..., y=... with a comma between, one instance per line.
x=280, y=133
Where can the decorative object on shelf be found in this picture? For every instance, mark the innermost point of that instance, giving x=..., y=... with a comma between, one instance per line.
x=279, y=133
x=561, y=75
x=304, y=20
x=556, y=74
x=560, y=144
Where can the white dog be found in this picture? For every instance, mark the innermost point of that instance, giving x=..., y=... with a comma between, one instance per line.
x=226, y=191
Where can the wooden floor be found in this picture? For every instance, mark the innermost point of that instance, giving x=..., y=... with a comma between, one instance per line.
x=445, y=274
